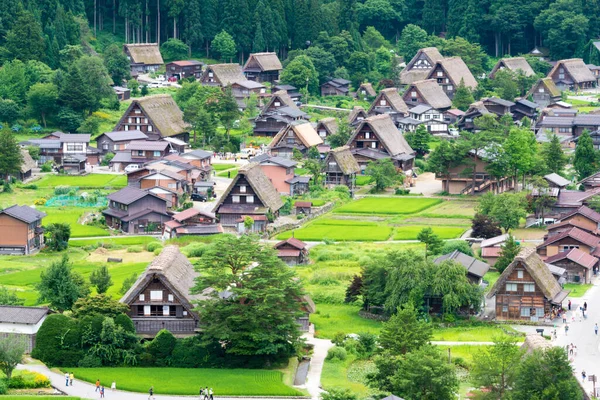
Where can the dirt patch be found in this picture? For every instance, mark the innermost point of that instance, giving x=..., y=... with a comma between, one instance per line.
x=101, y=254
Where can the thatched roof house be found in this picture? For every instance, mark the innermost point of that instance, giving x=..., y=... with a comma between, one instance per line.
x=299, y=135
x=222, y=74
x=427, y=92
x=388, y=101
x=264, y=61
x=27, y=166
x=572, y=74
x=156, y=115
x=533, y=342
x=356, y=115
x=513, y=64
x=418, y=68
x=143, y=53
x=327, y=126
x=161, y=297
x=344, y=160
x=455, y=69
x=365, y=90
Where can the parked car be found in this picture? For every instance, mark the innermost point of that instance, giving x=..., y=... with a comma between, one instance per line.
x=131, y=168
x=198, y=197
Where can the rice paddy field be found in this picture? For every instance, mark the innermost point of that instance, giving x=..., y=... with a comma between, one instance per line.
x=72, y=216
x=187, y=381
x=91, y=181
x=387, y=206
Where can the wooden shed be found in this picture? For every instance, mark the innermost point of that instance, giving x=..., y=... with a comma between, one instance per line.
x=303, y=207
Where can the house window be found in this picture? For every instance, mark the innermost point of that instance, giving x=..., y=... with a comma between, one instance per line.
x=529, y=287
x=525, y=312
x=149, y=128
x=156, y=154
x=137, y=112
x=74, y=147
x=373, y=145
x=156, y=311
x=137, y=120
x=115, y=147
x=427, y=116
x=564, y=130
x=126, y=127
x=569, y=247
x=235, y=199
x=539, y=312
x=185, y=313
x=541, y=90
x=156, y=295
x=140, y=311
x=250, y=199
x=242, y=188
x=263, y=91
x=413, y=95
x=277, y=104
x=130, y=120
x=145, y=120
x=142, y=297
x=172, y=186
x=561, y=76
x=166, y=311
x=137, y=127
x=561, y=70
x=511, y=287
x=504, y=308
x=147, y=310
x=173, y=312
x=140, y=153
x=440, y=74
x=520, y=274
x=450, y=88
x=171, y=298
x=383, y=102
x=367, y=135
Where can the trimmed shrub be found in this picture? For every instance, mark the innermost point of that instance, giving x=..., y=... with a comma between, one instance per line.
x=153, y=246
x=134, y=249
x=157, y=251
x=58, y=332
x=125, y=322
x=194, y=249
x=337, y=353
x=161, y=347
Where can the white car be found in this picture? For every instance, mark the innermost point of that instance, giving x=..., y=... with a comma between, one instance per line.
x=131, y=168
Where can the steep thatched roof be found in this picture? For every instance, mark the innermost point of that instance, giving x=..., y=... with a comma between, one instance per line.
x=456, y=69
x=28, y=162
x=144, y=53
x=431, y=92
x=537, y=268
x=260, y=183
x=330, y=124
x=368, y=88
x=514, y=64
x=385, y=130
x=393, y=98
x=356, y=111
x=226, y=73
x=303, y=131
x=266, y=61
x=410, y=74
x=549, y=84
x=533, y=341
x=164, y=113
x=344, y=159
x=174, y=270
x=284, y=98
x=576, y=68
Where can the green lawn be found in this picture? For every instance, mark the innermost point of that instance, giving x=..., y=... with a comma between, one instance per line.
x=452, y=209
x=91, y=181
x=471, y=333
x=221, y=167
x=491, y=277
x=71, y=215
x=333, y=318
x=340, y=230
x=116, y=241
x=301, y=171
x=577, y=290
x=228, y=174
x=411, y=232
x=464, y=351
x=362, y=180
x=348, y=374
x=387, y=206
x=184, y=381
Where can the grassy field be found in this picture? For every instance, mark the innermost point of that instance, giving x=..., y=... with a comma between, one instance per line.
x=362, y=180
x=340, y=230
x=228, y=173
x=348, y=374
x=410, y=232
x=91, y=181
x=387, y=206
x=451, y=209
x=464, y=351
x=184, y=381
x=471, y=333
x=221, y=167
x=491, y=277
x=19, y=397
x=577, y=290
x=333, y=318
x=71, y=215
x=116, y=241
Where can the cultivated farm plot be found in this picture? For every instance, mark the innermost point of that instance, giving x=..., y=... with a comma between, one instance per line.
x=340, y=230
x=451, y=209
x=116, y=241
x=91, y=181
x=410, y=232
x=187, y=381
x=71, y=215
x=387, y=206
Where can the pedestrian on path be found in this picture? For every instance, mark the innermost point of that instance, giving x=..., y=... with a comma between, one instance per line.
x=210, y=394
x=585, y=305
x=596, y=329
x=564, y=318
x=66, y=379
x=97, y=385
x=102, y=392
x=71, y=377
x=566, y=329
x=569, y=305
x=201, y=392
x=571, y=349
x=583, y=375
x=206, y=393
x=113, y=386
x=151, y=392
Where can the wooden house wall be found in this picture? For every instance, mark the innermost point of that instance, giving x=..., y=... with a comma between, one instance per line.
x=557, y=247
x=145, y=123
x=445, y=82
x=147, y=202
x=413, y=97
x=575, y=272
x=361, y=141
x=242, y=181
x=510, y=303
x=584, y=221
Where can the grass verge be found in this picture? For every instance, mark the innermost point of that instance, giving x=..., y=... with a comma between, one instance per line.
x=577, y=290
x=187, y=381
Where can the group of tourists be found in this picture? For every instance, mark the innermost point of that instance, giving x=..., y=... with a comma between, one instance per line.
x=206, y=393
x=100, y=388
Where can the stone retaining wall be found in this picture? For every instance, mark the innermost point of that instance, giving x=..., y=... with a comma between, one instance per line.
x=315, y=212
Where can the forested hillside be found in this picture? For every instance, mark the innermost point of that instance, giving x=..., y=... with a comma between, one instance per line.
x=501, y=27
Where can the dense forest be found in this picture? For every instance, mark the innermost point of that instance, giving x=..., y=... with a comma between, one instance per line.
x=501, y=27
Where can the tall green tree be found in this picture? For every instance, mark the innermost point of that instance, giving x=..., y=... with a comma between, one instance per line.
x=586, y=157
x=404, y=332
x=224, y=45
x=301, y=73
x=85, y=85
x=12, y=349
x=384, y=173
x=42, y=98
x=228, y=110
x=419, y=140
x=100, y=278
x=433, y=243
x=411, y=40
x=506, y=208
x=25, y=41
x=441, y=160
x=261, y=292
x=61, y=286
x=117, y=64
x=193, y=32
x=496, y=366
x=553, y=155
x=57, y=236
x=10, y=155
x=463, y=97
x=508, y=252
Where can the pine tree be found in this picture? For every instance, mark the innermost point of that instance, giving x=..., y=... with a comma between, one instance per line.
x=553, y=155
x=237, y=20
x=101, y=279
x=463, y=97
x=419, y=140
x=585, y=156
x=258, y=44
x=10, y=155
x=192, y=27
x=508, y=252
x=26, y=41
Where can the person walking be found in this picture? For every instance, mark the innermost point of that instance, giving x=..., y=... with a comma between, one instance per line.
x=97, y=385
x=210, y=394
x=569, y=305
x=71, y=377
x=585, y=305
x=206, y=393
x=596, y=329
x=102, y=392
x=583, y=375
x=66, y=379
x=113, y=386
x=571, y=349
x=566, y=329
x=151, y=392
x=201, y=392
x=564, y=316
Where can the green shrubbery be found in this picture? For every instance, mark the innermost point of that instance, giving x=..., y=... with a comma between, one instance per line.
x=153, y=246
x=135, y=249
x=337, y=353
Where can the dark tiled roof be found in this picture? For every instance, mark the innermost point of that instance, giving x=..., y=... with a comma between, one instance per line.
x=120, y=136
x=575, y=255
x=199, y=154
x=574, y=233
x=128, y=195
x=24, y=213
x=299, y=244
x=22, y=315
x=557, y=179
x=150, y=145
x=473, y=265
